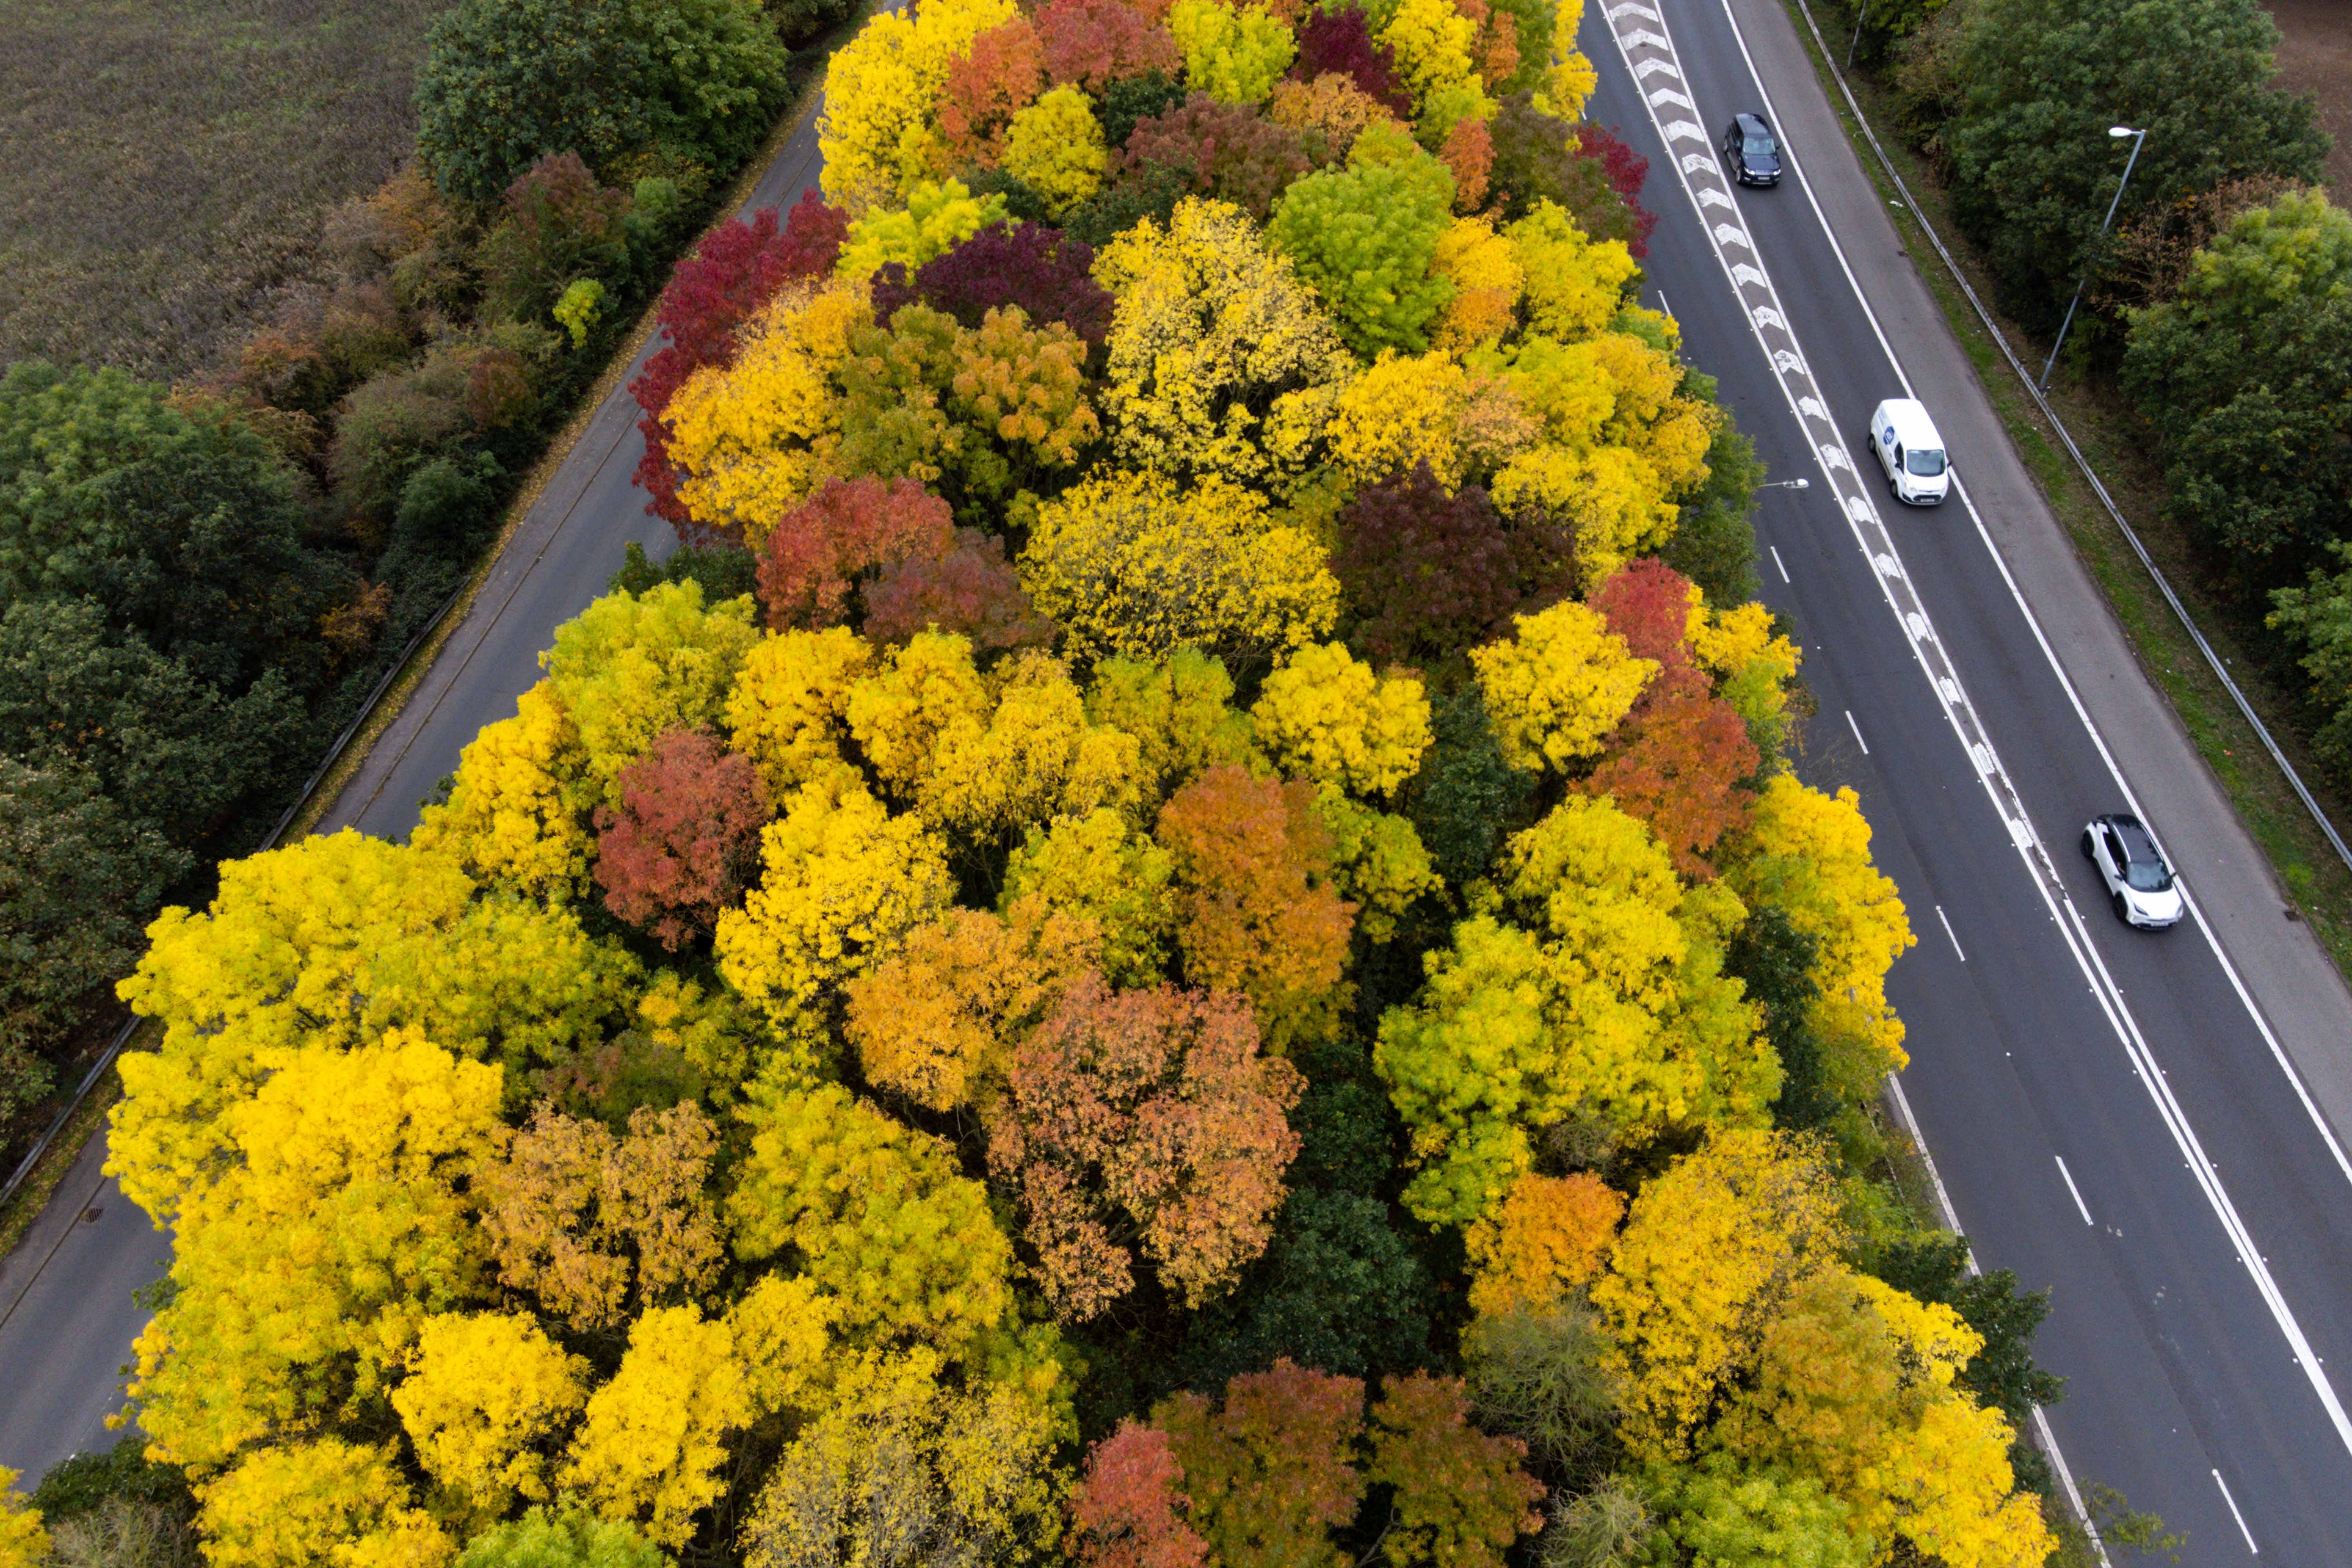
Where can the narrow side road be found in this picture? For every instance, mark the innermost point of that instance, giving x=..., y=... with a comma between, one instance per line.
x=66, y=1315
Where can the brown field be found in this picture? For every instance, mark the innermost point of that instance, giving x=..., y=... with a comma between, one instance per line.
x=2315, y=57
x=164, y=164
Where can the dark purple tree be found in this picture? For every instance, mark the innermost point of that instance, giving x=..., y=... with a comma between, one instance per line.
x=1340, y=42
x=1427, y=573
x=1036, y=266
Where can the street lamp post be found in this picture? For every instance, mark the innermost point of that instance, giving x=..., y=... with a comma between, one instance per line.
x=1787, y=485
x=2138, y=137
x=1860, y=17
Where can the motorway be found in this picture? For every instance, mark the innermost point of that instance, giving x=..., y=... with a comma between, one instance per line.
x=2196, y=1237
x=2147, y=1125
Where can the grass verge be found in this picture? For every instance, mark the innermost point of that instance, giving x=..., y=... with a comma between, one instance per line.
x=34, y=1197
x=2316, y=884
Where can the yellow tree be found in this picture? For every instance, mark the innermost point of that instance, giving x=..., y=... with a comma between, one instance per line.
x=1557, y=686
x=321, y=1501
x=880, y=132
x=1098, y=869
x=1179, y=710
x=927, y=695
x=653, y=1440
x=1490, y=274
x=1056, y=146
x=1324, y=716
x=1550, y=1235
x=270, y=967
x=789, y=710
x=1812, y=859
x=875, y=1213
x=750, y=438
x=842, y=883
x=1137, y=566
x=1427, y=408
x=1575, y=286
x=1219, y=360
x=1618, y=1010
x=937, y=1020
x=484, y=1393
x=24, y=1543
x=518, y=815
x=1037, y=759
x=1708, y=1259
x=302, y=1274
x=1854, y=1385
x=633, y=667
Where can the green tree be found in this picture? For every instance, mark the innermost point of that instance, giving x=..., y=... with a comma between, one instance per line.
x=508, y=81
x=569, y=1537
x=1363, y=237
x=2245, y=363
x=179, y=520
x=2317, y=618
x=78, y=882
x=2033, y=168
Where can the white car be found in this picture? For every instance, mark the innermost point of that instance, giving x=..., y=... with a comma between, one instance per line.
x=1909, y=451
x=2140, y=884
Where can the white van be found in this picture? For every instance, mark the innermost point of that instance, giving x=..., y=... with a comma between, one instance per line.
x=1909, y=451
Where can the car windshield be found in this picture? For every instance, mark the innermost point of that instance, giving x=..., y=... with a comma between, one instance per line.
x=2149, y=877
x=1757, y=146
x=1925, y=461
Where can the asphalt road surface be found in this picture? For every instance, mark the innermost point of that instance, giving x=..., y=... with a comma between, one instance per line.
x=2146, y=1124
x=66, y=1316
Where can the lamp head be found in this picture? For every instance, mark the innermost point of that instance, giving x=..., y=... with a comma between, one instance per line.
x=2121, y=131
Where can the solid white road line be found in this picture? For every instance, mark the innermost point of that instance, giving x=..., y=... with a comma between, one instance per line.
x=1948, y=932
x=1778, y=561
x=2252, y=1549
x=2028, y=845
x=2081, y=1207
x=1857, y=733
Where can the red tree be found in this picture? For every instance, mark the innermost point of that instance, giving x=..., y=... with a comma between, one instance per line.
x=1626, y=169
x=1677, y=762
x=1091, y=44
x=1230, y=151
x=1256, y=908
x=1130, y=1508
x=1000, y=77
x=973, y=589
x=1340, y=41
x=1280, y=1464
x=678, y=848
x=1272, y=1471
x=1150, y=1113
x=1648, y=603
x=1032, y=265
x=1427, y=573
x=848, y=530
x=737, y=269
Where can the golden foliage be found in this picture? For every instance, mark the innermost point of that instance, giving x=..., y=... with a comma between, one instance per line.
x=518, y=814
x=789, y=710
x=1056, y=146
x=1098, y=869
x=324, y=1501
x=1323, y=715
x=633, y=667
x=1574, y=284
x=1549, y=1236
x=749, y=439
x=1138, y=567
x=1558, y=687
x=1490, y=274
x=842, y=884
x=1219, y=362
x=484, y=1391
x=652, y=1445
x=1709, y=1258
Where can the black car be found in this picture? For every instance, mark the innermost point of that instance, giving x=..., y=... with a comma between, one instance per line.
x=1750, y=151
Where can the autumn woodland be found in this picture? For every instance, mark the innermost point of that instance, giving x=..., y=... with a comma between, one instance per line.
x=1182, y=934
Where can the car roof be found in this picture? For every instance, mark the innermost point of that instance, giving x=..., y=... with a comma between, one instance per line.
x=2136, y=838
x=1912, y=425
x=1750, y=122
